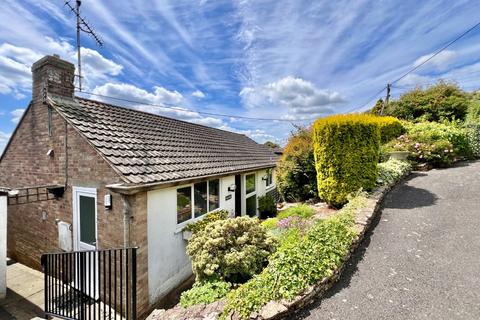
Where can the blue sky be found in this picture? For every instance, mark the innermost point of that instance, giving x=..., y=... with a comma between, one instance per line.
x=291, y=60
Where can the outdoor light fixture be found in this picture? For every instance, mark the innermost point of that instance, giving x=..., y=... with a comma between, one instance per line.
x=13, y=193
x=50, y=153
x=232, y=187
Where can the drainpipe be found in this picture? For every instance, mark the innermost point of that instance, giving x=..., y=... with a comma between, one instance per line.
x=127, y=217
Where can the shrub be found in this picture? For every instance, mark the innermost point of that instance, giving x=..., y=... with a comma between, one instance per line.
x=296, y=175
x=231, y=250
x=431, y=132
x=346, y=151
x=302, y=210
x=209, y=218
x=392, y=171
x=205, y=292
x=267, y=206
x=300, y=261
x=270, y=223
x=442, y=101
x=436, y=143
x=473, y=111
x=390, y=128
x=473, y=133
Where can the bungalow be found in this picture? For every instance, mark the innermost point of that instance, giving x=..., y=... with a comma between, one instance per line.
x=121, y=177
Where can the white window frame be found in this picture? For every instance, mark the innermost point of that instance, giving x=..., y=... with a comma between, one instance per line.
x=253, y=193
x=192, y=204
x=272, y=184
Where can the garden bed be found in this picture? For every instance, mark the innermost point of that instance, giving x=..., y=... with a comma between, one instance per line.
x=362, y=218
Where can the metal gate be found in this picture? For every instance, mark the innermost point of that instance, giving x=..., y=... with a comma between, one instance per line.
x=97, y=284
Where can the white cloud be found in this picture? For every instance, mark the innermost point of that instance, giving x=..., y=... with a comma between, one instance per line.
x=300, y=98
x=17, y=114
x=3, y=140
x=442, y=61
x=159, y=97
x=198, y=94
x=15, y=65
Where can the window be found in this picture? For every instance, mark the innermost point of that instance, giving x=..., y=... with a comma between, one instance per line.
x=200, y=196
x=269, y=177
x=184, y=204
x=250, y=195
x=250, y=183
x=196, y=200
x=213, y=194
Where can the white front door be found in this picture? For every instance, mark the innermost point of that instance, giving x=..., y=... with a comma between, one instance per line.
x=85, y=239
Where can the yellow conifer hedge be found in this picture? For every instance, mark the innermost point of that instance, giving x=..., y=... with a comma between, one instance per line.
x=346, y=150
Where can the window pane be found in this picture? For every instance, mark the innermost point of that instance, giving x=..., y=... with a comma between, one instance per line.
x=252, y=206
x=184, y=204
x=200, y=193
x=213, y=194
x=87, y=220
x=250, y=183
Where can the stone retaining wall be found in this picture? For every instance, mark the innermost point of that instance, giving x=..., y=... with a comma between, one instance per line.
x=279, y=310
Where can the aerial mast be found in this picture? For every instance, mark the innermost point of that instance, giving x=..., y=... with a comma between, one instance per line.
x=82, y=25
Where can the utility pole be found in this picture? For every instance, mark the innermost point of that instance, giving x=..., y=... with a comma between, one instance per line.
x=387, y=98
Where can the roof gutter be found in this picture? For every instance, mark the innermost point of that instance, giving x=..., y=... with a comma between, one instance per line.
x=128, y=189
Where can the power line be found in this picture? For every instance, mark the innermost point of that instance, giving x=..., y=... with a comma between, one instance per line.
x=418, y=66
x=436, y=53
x=367, y=102
x=173, y=107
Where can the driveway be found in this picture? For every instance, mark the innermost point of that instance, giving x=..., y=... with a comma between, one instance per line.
x=421, y=258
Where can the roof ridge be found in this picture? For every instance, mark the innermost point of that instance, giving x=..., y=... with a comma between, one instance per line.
x=165, y=117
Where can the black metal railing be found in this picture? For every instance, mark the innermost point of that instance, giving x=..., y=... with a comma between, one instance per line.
x=97, y=284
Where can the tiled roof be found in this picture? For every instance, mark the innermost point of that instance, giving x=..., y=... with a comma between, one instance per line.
x=147, y=148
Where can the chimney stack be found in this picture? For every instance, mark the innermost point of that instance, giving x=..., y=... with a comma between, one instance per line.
x=54, y=76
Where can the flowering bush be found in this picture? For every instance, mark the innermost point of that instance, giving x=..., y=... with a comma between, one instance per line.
x=474, y=139
x=301, y=260
x=392, y=170
x=231, y=250
x=439, y=153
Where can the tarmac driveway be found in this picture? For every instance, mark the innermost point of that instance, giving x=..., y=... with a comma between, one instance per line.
x=421, y=258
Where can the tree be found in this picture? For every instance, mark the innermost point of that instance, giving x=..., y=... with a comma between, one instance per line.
x=271, y=144
x=442, y=101
x=296, y=175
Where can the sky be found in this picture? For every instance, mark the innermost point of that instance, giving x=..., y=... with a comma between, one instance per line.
x=293, y=61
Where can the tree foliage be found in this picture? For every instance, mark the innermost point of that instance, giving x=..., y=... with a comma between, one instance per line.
x=296, y=175
x=442, y=101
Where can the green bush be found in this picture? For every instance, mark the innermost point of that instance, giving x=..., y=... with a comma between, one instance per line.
x=296, y=175
x=300, y=261
x=436, y=143
x=270, y=223
x=473, y=111
x=442, y=101
x=392, y=171
x=473, y=133
x=232, y=250
x=302, y=210
x=267, y=206
x=346, y=149
x=390, y=128
x=205, y=292
x=430, y=132
x=209, y=218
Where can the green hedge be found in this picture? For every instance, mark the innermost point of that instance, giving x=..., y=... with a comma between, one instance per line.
x=346, y=149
